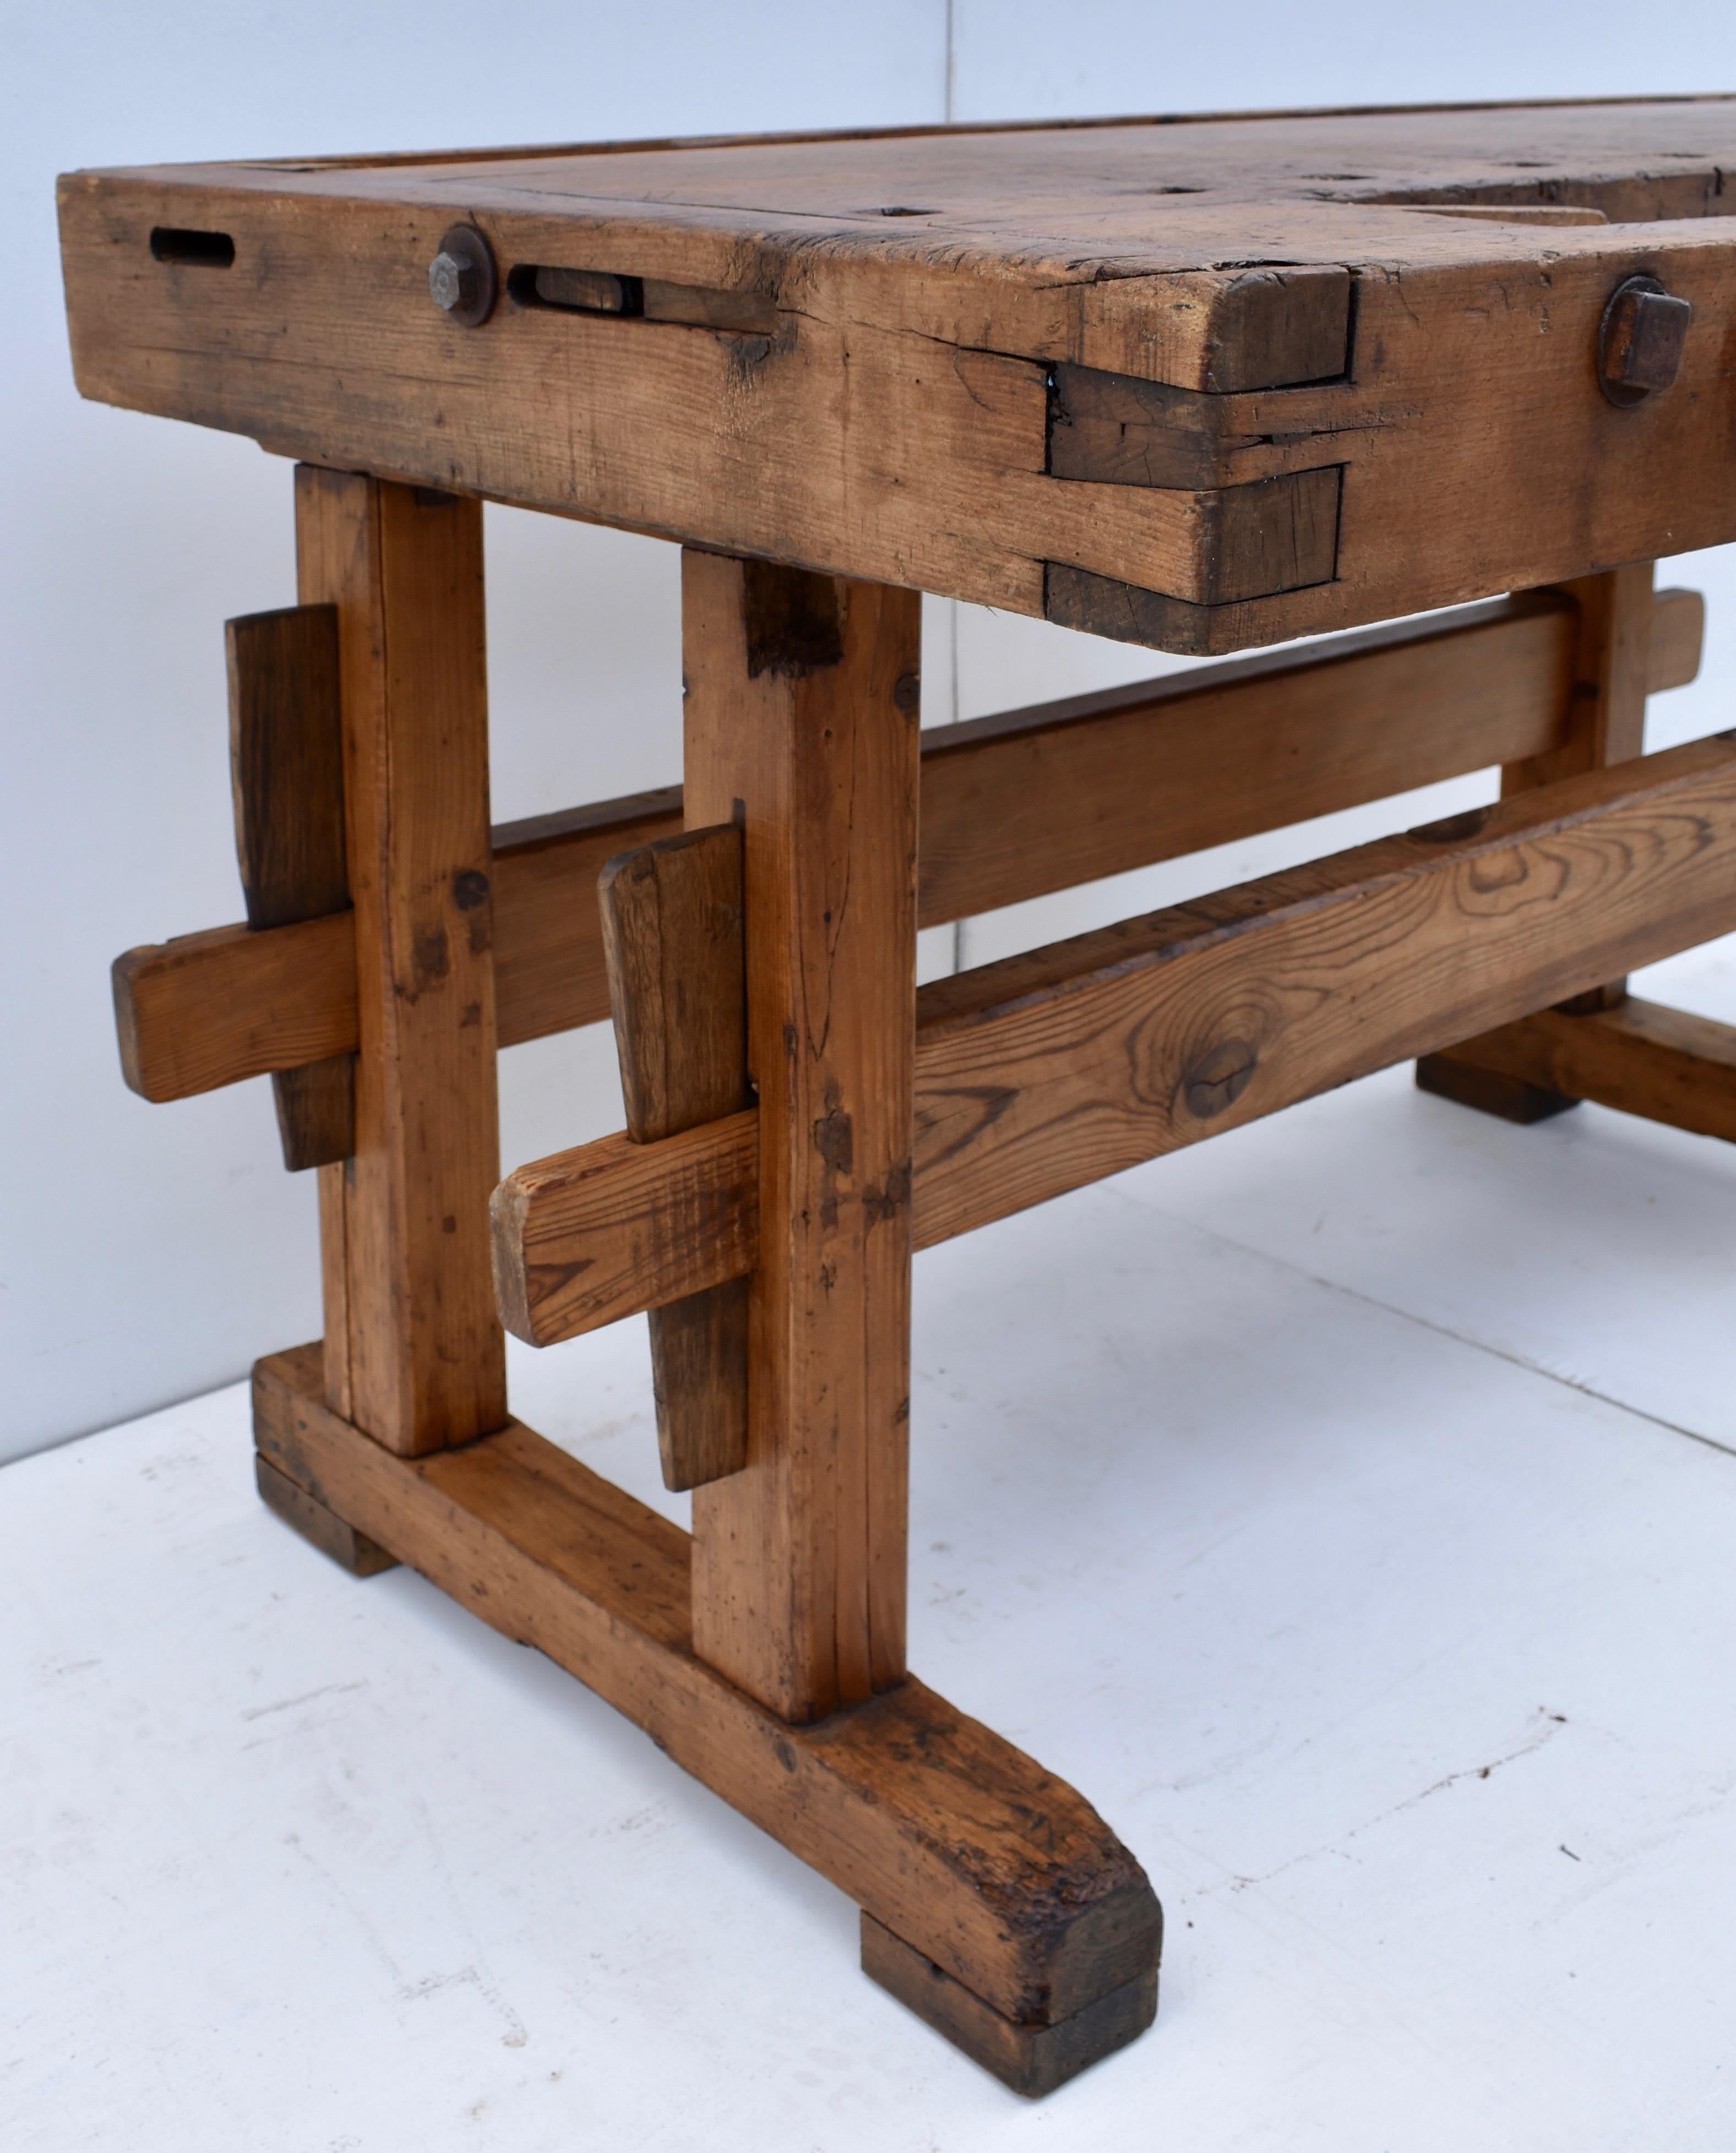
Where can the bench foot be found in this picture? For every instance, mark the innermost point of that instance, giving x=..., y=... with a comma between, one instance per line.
x=1489, y=1091
x=1042, y=1928
x=349, y=1549
x=1033, y=2060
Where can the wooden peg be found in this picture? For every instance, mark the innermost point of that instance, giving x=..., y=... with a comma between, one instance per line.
x=672, y=939
x=286, y=762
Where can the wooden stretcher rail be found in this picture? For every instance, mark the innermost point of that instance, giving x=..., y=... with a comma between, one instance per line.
x=1013, y=808
x=954, y=1841
x=1054, y=1068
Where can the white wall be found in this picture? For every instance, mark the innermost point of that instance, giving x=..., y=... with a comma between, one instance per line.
x=147, y=1253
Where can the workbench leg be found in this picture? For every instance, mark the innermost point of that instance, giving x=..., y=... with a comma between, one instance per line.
x=414, y=1354
x=414, y=1351
x=801, y=724
x=1606, y=724
x=802, y=727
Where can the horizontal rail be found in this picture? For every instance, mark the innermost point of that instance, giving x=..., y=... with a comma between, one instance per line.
x=1638, y=1057
x=1054, y=1068
x=1013, y=808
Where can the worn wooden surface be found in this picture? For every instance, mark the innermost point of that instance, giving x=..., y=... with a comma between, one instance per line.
x=801, y=725
x=1610, y=676
x=1638, y=1057
x=1013, y=806
x=322, y=1527
x=414, y=1353
x=672, y=936
x=943, y=1831
x=1033, y=2060
x=858, y=377
x=1507, y=1099
x=286, y=769
x=1057, y=1066
x=217, y=1007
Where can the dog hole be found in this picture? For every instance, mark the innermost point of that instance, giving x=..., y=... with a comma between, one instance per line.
x=205, y=250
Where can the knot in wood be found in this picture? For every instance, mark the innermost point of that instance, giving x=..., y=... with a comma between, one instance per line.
x=1219, y=1078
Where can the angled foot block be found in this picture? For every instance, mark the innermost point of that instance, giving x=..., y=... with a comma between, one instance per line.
x=986, y=1866
x=1490, y=1091
x=349, y=1549
x=1033, y=2060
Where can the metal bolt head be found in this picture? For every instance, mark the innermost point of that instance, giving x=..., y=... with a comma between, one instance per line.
x=451, y=283
x=1640, y=341
x=461, y=278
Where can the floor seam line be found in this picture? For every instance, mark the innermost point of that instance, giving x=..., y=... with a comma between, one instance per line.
x=1445, y=1330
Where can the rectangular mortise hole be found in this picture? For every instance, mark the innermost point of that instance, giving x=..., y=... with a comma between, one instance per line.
x=573, y=290
x=209, y=250
x=598, y=292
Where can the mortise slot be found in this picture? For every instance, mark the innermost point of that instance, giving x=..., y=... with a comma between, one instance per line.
x=574, y=291
x=206, y=250
x=598, y=292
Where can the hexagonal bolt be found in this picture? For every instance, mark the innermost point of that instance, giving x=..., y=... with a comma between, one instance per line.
x=1640, y=342
x=452, y=284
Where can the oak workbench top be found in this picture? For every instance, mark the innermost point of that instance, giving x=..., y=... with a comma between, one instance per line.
x=1201, y=383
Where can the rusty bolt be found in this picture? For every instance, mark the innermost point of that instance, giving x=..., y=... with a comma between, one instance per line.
x=461, y=278
x=452, y=283
x=1639, y=343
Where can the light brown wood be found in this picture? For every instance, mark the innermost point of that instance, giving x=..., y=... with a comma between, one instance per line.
x=1054, y=1068
x=215, y=1008
x=892, y=422
x=286, y=767
x=943, y=1831
x=672, y=935
x=1611, y=669
x=607, y=1228
x=1610, y=677
x=801, y=726
x=1033, y=2060
x=1639, y=1057
x=549, y=974
x=415, y=1354
x=1013, y=806
x=321, y=1528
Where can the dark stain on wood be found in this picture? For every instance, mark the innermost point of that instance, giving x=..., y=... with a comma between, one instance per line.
x=793, y=620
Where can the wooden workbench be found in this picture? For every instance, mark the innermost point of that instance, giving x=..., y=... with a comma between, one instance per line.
x=1202, y=384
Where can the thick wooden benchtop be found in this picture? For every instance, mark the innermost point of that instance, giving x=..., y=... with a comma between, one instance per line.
x=1202, y=383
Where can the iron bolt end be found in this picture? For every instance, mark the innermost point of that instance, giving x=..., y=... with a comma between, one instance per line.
x=452, y=283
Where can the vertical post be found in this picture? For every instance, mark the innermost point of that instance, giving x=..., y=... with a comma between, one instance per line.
x=801, y=715
x=1606, y=723
x=414, y=1352
x=1612, y=661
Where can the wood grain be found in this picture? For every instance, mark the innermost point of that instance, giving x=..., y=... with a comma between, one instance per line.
x=549, y=974
x=414, y=1353
x=610, y=1227
x=801, y=726
x=1639, y=1057
x=321, y=1528
x=672, y=935
x=1607, y=715
x=1033, y=2060
x=1013, y=808
x=997, y=1871
x=1051, y=1069
x=207, y=1009
x=286, y=767
x=887, y=415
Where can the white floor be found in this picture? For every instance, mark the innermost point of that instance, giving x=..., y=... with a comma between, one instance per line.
x=1346, y=1506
